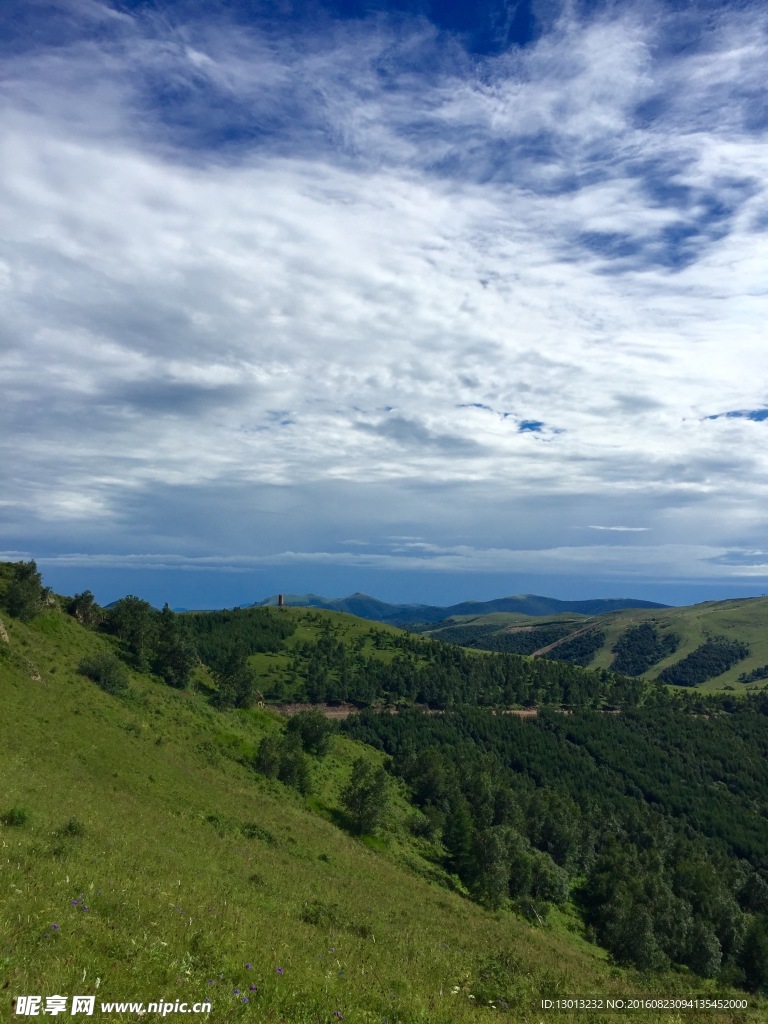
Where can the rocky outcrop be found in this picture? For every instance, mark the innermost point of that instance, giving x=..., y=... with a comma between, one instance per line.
x=4, y=639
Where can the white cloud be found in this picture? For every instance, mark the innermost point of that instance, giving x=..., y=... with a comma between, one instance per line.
x=622, y=529
x=329, y=303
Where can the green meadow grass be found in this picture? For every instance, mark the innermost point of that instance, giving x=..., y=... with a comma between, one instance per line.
x=142, y=859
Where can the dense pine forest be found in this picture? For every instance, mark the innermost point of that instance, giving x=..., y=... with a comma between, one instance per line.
x=641, y=647
x=712, y=658
x=653, y=821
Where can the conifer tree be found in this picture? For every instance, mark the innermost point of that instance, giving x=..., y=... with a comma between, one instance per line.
x=366, y=797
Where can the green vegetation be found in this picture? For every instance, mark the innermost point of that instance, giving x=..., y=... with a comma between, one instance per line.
x=464, y=634
x=528, y=639
x=174, y=655
x=313, y=730
x=579, y=650
x=714, y=657
x=85, y=609
x=755, y=676
x=246, y=630
x=441, y=864
x=170, y=866
x=641, y=647
x=366, y=797
x=325, y=663
x=652, y=821
x=522, y=639
x=15, y=817
x=281, y=757
x=24, y=593
x=105, y=669
x=671, y=635
x=236, y=682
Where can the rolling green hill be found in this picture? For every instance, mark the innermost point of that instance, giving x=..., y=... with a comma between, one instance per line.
x=410, y=614
x=145, y=857
x=679, y=632
x=142, y=859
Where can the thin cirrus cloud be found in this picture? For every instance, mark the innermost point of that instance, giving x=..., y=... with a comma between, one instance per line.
x=291, y=281
x=622, y=529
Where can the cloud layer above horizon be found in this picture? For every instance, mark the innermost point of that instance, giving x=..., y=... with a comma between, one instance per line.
x=389, y=290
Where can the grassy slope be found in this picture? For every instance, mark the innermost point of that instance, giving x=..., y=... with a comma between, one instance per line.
x=191, y=867
x=741, y=619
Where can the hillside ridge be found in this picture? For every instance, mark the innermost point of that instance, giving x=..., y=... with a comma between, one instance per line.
x=367, y=607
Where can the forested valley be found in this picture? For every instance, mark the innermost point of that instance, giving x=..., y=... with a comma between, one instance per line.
x=653, y=821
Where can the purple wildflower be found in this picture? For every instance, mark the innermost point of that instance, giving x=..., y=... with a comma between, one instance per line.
x=248, y=967
x=252, y=988
x=73, y=902
x=246, y=999
x=236, y=992
x=55, y=927
x=280, y=970
x=211, y=982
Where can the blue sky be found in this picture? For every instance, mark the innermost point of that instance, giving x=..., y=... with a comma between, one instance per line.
x=429, y=300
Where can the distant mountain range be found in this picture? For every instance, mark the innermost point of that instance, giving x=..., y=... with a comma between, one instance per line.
x=522, y=604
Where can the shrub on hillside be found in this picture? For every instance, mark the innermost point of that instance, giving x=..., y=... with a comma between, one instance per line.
x=282, y=758
x=134, y=622
x=72, y=828
x=755, y=675
x=236, y=681
x=313, y=729
x=106, y=671
x=17, y=816
x=83, y=607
